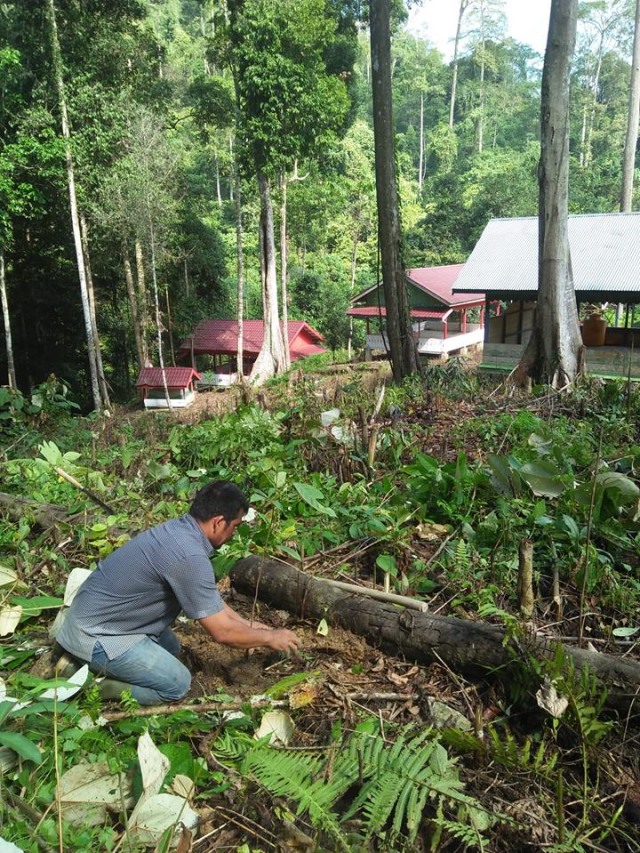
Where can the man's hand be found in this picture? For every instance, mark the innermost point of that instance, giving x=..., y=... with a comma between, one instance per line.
x=228, y=628
x=283, y=640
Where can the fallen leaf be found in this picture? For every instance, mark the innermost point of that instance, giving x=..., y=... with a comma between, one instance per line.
x=379, y=665
x=278, y=725
x=182, y=786
x=550, y=700
x=7, y=576
x=323, y=628
x=445, y=717
x=431, y=532
x=9, y=618
x=153, y=765
x=304, y=695
x=88, y=791
x=75, y=580
x=63, y=693
x=159, y=813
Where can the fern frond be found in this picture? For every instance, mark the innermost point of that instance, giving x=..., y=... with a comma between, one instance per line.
x=232, y=746
x=469, y=836
x=296, y=776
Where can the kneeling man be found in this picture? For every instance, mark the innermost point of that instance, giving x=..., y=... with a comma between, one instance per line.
x=120, y=619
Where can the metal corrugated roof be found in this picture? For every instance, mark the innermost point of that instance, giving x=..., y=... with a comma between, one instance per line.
x=605, y=256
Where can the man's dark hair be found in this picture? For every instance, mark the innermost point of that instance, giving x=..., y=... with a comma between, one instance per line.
x=218, y=498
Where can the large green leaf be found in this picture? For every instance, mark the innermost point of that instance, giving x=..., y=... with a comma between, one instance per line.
x=613, y=489
x=619, y=487
x=503, y=475
x=25, y=748
x=312, y=496
x=544, y=478
x=36, y=604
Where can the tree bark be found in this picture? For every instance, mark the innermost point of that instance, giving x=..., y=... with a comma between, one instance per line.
x=91, y=333
x=284, y=272
x=156, y=302
x=554, y=353
x=631, y=140
x=11, y=368
x=237, y=182
x=404, y=359
x=472, y=648
x=143, y=309
x=102, y=381
x=456, y=49
x=271, y=358
x=133, y=304
x=421, y=154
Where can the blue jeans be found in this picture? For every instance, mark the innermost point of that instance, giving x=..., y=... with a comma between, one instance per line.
x=151, y=667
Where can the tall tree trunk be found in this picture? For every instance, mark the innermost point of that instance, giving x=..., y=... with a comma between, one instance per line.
x=11, y=368
x=284, y=272
x=483, y=65
x=240, y=269
x=271, y=358
x=133, y=303
x=90, y=332
x=456, y=49
x=404, y=359
x=218, y=187
x=595, y=83
x=421, y=157
x=554, y=353
x=156, y=302
x=143, y=309
x=352, y=287
x=104, y=388
x=237, y=180
x=631, y=140
x=583, y=136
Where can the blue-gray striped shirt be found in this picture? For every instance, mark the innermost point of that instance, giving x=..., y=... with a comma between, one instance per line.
x=140, y=588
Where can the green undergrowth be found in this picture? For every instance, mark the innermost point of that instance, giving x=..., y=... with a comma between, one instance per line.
x=363, y=497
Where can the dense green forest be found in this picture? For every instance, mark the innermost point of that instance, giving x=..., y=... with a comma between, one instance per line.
x=174, y=108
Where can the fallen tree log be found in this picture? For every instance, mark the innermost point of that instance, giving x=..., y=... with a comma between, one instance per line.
x=472, y=648
x=44, y=514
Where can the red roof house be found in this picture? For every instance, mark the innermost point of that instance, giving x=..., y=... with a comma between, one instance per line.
x=439, y=316
x=219, y=339
x=180, y=382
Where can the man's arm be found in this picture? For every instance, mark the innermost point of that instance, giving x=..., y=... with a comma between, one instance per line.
x=253, y=623
x=228, y=628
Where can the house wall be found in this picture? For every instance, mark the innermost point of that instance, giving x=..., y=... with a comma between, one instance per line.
x=513, y=326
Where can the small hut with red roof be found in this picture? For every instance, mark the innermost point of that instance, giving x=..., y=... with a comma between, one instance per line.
x=179, y=382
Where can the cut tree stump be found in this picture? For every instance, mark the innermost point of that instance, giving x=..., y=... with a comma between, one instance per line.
x=471, y=648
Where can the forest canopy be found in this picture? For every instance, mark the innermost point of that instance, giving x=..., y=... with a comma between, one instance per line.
x=165, y=141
